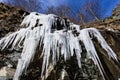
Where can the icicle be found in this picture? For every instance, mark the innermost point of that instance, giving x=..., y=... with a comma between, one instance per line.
x=13, y=39
x=29, y=49
x=55, y=42
x=74, y=45
x=103, y=43
x=63, y=40
x=89, y=46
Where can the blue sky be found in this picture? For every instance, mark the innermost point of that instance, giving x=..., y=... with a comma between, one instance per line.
x=106, y=5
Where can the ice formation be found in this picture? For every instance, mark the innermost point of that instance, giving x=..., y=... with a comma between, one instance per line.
x=56, y=37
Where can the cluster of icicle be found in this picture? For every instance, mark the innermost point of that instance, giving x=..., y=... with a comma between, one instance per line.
x=42, y=31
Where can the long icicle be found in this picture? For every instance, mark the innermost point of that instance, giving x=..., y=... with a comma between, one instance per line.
x=42, y=31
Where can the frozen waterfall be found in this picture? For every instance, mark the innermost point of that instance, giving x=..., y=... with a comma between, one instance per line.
x=56, y=37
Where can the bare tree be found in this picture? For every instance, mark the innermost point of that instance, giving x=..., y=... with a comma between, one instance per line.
x=63, y=11
x=28, y=5
x=82, y=18
x=92, y=8
x=89, y=11
x=51, y=10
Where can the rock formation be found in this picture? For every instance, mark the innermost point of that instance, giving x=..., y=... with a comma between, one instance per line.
x=81, y=53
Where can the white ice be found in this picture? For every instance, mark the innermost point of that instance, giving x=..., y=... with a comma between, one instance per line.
x=56, y=43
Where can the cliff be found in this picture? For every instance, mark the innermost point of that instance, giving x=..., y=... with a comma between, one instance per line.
x=67, y=70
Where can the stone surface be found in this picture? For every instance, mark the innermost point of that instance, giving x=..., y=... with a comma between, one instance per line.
x=10, y=19
x=6, y=73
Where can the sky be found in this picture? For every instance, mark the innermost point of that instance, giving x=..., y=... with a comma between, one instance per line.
x=106, y=5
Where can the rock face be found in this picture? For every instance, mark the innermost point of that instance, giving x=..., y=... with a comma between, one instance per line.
x=6, y=73
x=66, y=70
x=10, y=19
x=116, y=12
